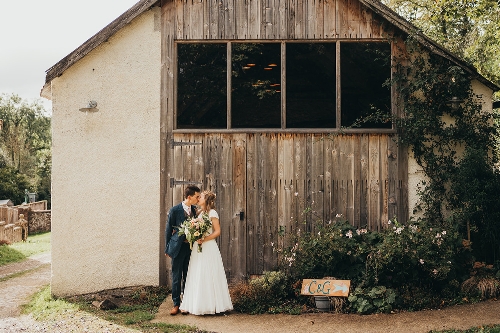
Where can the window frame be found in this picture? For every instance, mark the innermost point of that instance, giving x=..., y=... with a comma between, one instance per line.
x=283, y=129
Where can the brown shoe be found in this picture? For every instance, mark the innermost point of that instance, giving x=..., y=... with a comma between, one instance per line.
x=174, y=311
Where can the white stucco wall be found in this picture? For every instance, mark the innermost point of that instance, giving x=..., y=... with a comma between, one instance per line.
x=484, y=95
x=106, y=165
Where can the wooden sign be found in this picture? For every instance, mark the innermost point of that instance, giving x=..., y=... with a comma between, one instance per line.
x=326, y=287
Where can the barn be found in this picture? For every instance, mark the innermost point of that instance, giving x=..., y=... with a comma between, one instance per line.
x=253, y=99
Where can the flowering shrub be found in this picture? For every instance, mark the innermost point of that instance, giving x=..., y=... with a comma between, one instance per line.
x=388, y=269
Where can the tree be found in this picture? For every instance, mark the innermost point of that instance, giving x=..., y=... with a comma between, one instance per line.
x=25, y=142
x=468, y=28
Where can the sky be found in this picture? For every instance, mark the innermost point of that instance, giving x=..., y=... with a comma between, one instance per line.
x=36, y=34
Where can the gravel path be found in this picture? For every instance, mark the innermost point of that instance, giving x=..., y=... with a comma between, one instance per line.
x=19, y=281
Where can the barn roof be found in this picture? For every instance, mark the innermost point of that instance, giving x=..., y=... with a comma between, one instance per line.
x=374, y=5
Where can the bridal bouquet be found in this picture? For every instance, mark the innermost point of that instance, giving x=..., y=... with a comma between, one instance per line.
x=195, y=228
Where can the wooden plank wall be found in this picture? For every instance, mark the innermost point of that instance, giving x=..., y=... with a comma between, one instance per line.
x=273, y=19
x=274, y=177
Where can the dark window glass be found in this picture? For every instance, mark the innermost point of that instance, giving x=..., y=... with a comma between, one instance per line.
x=256, y=79
x=310, y=85
x=201, y=86
x=365, y=67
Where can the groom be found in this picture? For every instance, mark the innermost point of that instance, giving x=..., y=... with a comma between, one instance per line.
x=177, y=248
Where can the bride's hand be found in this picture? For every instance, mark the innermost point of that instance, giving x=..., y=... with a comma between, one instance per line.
x=200, y=241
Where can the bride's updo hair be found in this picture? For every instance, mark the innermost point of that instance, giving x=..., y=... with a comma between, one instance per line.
x=209, y=200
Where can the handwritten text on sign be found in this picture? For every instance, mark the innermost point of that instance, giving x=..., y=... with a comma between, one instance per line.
x=325, y=287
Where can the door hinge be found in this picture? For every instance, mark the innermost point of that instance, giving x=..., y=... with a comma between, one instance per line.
x=180, y=143
x=174, y=182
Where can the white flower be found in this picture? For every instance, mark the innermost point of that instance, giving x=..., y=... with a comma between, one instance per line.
x=349, y=234
x=438, y=235
x=338, y=215
x=398, y=230
x=443, y=232
x=389, y=222
x=272, y=243
x=435, y=271
x=296, y=193
x=413, y=228
x=421, y=261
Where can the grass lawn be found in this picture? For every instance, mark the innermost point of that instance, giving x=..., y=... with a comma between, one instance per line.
x=35, y=244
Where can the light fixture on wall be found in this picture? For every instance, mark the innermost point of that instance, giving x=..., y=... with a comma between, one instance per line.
x=454, y=102
x=91, y=107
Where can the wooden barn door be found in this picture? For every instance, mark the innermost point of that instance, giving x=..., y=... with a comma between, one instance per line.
x=266, y=182
x=217, y=162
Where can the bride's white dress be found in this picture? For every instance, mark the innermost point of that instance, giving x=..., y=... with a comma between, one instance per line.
x=206, y=290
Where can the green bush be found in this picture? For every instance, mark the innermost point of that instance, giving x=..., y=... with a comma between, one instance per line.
x=376, y=299
x=412, y=266
x=270, y=292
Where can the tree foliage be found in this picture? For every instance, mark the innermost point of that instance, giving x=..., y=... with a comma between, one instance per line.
x=468, y=28
x=25, y=142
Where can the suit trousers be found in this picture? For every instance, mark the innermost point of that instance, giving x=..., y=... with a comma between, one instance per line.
x=180, y=266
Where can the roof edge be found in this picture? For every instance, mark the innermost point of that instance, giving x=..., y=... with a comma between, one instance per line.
x=100, y=37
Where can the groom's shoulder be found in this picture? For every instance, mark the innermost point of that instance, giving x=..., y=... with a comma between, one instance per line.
x=177, y=207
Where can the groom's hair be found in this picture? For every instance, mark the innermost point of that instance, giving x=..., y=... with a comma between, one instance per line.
x=191, y=190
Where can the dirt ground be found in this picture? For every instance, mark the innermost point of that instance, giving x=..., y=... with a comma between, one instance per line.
x=455, y=317
x=37, y=275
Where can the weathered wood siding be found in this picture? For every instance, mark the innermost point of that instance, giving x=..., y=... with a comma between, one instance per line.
x=273, y=19
x=274, y=177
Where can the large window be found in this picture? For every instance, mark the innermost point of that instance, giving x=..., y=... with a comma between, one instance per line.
x=283, y=85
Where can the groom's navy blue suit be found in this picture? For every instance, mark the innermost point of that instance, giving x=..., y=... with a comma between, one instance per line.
x=177, y=249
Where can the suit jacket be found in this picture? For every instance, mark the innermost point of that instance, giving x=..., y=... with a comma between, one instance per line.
x=173, y=241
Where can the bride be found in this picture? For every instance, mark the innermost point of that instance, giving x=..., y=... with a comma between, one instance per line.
x=206, y=290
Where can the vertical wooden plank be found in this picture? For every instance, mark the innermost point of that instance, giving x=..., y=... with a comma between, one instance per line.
x=363, y=178
x=241, y=19
x=168, y=32
x=336, y=176
x=268, y=200
x=291, y=26
x=238, y=234
x=285, y=178
x=179, y=18
x=342, y=26
x=375, y=186
x=329, y=19
x=222, y=9
x=254, y=233
x=311, y=19
x=364, y=22
x=353, y=13
x=224, y=174
x=300, y=19
x=315, y=189
x=357, y=180
x=282, y=30
x=327, y=178
x=384, y=183
x=299, y=178
x=196, y=19
x=254, y=19
x=230, y=29
x=214, y=19
x=206, y=19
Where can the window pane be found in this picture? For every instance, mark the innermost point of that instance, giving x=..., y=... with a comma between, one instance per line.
x=256, y=93
x=201, y=86
x=365, y=67
x=310, y=85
